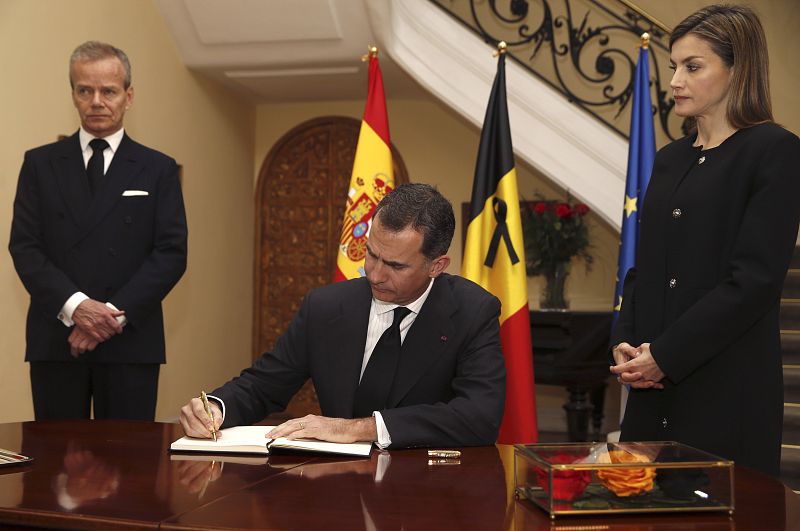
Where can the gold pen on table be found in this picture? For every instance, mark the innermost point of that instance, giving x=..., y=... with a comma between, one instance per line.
x=444, y=454
x=204, y=398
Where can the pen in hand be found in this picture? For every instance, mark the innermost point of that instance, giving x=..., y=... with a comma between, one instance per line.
x=204, y=398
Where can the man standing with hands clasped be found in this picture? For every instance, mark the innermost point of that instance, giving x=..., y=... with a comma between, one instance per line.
x=98, y=239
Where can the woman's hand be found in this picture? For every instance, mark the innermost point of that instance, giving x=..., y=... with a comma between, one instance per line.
x=624, y=352
x=637, y=367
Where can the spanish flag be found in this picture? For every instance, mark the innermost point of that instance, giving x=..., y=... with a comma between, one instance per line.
x=371, y=180
x=494, y=258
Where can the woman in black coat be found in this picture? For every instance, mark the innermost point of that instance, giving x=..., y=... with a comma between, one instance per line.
x=697, y=339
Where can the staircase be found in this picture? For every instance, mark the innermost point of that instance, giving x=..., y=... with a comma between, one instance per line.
x=790, y=345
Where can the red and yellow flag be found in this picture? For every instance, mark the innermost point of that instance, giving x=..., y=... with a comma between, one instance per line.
x=371, y=180
x=494, y=258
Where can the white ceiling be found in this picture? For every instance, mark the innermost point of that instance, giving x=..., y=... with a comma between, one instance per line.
x=282, y=50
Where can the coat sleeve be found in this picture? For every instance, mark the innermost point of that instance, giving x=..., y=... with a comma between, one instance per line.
x=473, y=416
x=756, y=270
x=48, y=286
x=269, y=384
x=624, y=327
x=166, y=263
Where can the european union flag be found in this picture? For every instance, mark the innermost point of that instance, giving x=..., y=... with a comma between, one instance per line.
x=641, y=153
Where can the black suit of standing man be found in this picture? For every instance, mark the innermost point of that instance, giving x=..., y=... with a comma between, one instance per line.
x=448, y=385
x=97, y=257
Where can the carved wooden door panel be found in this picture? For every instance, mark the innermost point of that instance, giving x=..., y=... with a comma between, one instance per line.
x=300, y=199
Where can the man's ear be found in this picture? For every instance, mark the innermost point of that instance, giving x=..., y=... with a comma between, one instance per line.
x=438, y=265
x=129, y=92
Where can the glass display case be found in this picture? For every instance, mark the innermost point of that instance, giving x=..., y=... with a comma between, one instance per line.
x=628, y=477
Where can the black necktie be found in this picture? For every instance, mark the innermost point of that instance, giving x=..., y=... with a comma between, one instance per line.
x=96, y=165
x=373, y=391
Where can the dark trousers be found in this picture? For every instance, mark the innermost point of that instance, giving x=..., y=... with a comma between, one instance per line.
x=124, y=391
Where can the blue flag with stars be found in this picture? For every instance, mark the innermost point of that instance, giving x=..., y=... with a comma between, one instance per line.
x=641, y=153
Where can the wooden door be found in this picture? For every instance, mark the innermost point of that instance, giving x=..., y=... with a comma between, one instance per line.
x=300, y=200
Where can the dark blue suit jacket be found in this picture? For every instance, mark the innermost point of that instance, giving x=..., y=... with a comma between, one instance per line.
x=449, y=388
x=127, y=249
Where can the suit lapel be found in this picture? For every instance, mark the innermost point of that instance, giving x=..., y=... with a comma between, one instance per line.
x=71, y=177
x=349, y=338
x=425, y=341
x=124, y=167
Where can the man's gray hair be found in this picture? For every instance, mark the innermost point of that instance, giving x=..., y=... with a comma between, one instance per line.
x=94, y=51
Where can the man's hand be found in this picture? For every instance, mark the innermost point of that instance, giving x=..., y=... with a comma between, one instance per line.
x=196, y=475
x=88, y=478
x=641, y=371
x=312, y=471
x=97, y=320
x=80, y=342
x=328, y=429
x=195, y=421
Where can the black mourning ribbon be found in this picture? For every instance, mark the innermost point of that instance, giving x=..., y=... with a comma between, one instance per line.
x=94, y=169
x=500, y=231
x=376, y=382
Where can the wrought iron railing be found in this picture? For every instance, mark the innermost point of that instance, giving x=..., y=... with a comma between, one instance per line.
x=586, y=49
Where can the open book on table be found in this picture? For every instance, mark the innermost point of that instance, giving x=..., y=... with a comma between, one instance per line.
x=255, y=440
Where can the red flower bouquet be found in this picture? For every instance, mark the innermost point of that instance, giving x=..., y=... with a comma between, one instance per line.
x=554, y=232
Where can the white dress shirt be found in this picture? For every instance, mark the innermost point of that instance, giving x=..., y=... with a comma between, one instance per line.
x=381, y=315
x=65, y=315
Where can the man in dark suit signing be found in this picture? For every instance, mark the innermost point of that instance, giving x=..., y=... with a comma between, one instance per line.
x=98, y=239
x=444, y=386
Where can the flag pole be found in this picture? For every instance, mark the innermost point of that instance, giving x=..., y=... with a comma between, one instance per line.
x=494, y=258
x=640, y=158
x=372, y=51
x=372, y=176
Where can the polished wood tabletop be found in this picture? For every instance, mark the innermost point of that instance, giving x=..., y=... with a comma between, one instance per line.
x=118, y=475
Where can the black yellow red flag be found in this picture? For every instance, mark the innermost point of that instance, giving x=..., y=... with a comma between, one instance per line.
x=494, y=258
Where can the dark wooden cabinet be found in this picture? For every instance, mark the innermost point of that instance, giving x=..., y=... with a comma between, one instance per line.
x=570, y=349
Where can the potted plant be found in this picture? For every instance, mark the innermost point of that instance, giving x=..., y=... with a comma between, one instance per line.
x=554, y=232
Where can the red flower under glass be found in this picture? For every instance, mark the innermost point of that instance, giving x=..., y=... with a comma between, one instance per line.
x=567, y=484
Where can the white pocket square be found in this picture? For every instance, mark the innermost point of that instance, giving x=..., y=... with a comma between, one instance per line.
x=128, y=193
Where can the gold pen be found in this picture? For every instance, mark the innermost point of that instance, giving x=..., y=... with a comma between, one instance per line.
x=208, y=480
x=204, y=398
x=444, y=454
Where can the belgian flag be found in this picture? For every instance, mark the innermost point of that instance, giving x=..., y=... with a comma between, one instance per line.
x=494, y=258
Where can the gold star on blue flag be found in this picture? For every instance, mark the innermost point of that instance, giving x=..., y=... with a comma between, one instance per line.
x=630, y=205
x=641, y=153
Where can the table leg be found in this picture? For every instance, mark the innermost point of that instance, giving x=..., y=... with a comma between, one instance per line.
x=597, y=398
x=578, y=411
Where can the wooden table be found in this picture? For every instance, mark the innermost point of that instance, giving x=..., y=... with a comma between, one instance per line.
x=119, y=475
